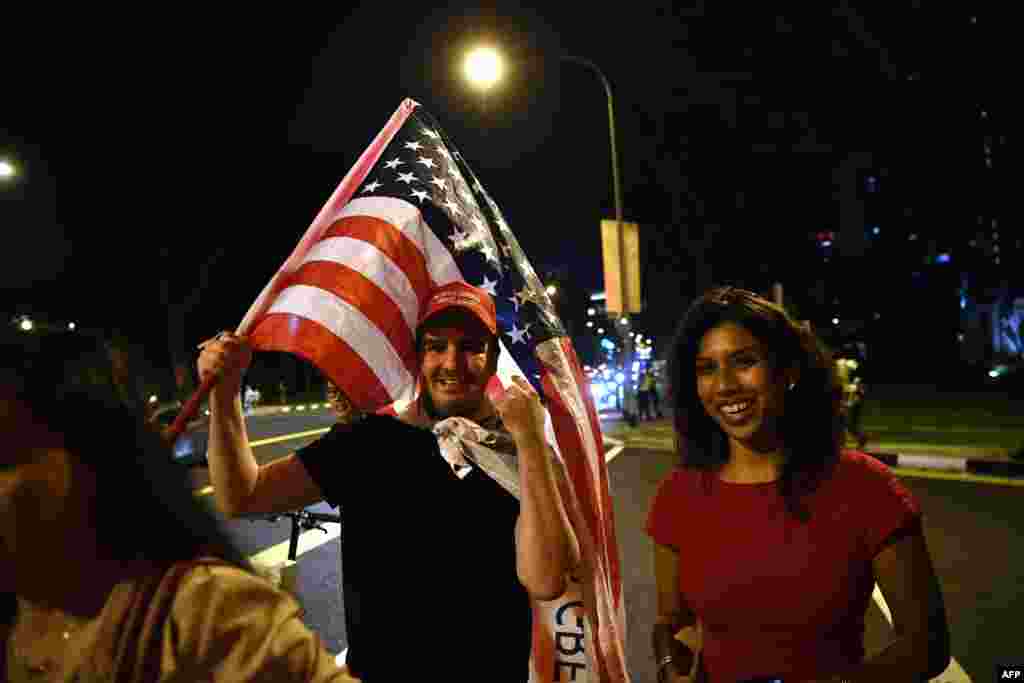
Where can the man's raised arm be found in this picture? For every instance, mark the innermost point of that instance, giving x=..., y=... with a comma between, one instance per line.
x=546, y=545
x=240, y=485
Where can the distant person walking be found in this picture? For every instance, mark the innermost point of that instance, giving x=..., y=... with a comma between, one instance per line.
x=648, y=396
x=643, y=400
x=852, y=405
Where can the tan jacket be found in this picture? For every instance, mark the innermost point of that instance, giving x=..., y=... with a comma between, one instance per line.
x=199, y=621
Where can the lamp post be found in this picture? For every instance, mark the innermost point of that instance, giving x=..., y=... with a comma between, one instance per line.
x=483, y=68
x=628, y=403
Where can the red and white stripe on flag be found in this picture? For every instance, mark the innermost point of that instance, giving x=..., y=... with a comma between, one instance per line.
x=351, y=305
x=347, y=300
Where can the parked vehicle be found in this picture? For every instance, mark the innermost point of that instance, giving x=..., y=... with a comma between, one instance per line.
x=190, y=447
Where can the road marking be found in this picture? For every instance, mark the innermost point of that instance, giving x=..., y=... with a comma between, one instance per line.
x=287, y=437
x=958, y=476
x=954, y=673
x=932, y=462
x=207, y=490
x=308, y=540
x=617, y=447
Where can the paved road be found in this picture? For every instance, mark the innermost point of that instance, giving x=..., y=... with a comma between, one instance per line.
x=318, y=569
x=975, y=532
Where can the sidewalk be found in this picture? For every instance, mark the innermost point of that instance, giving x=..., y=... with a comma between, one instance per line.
x=983, y=460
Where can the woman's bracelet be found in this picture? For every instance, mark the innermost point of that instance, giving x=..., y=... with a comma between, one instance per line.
x=662, y=663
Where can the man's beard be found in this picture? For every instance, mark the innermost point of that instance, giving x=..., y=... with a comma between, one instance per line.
x=465, y=408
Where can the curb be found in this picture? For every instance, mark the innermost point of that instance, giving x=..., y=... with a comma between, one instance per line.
x=998, y=468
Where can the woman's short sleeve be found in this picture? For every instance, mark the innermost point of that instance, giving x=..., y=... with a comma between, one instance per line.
x=891, y=511
x=228, y=625
x=664, y=515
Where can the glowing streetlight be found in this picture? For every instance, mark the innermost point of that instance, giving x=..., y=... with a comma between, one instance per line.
x=7, y=169
x=26, y=324
x=483, y=67
x=71, y=326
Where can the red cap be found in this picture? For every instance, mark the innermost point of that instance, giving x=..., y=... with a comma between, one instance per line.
x=462, y=295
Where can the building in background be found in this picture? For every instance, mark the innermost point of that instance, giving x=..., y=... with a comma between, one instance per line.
x=923, y=260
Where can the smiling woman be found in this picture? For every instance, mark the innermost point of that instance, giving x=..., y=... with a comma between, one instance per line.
x=747, y=381
x=767, y=536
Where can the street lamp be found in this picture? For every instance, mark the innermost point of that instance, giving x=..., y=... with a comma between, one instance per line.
x=7, y=169
x=483, y=67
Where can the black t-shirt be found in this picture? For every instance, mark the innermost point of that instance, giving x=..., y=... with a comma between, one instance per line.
x=428, y=559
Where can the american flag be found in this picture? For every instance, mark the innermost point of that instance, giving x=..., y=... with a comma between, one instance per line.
x=408, y=217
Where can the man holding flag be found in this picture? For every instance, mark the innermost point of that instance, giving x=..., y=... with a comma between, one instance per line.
x=411, y=294
x=420, y=545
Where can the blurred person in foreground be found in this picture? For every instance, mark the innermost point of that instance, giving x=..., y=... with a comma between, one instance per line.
x=420, y=544
x=109, y=568
x=768, y=537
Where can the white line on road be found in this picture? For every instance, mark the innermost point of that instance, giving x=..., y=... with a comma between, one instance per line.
x=617, y=447
x=931, y=462
x=207, y=490
x=308, y=540
x=286, y=437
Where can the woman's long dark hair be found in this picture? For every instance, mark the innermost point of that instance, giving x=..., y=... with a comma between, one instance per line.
x=810, y=427
x=67, y=381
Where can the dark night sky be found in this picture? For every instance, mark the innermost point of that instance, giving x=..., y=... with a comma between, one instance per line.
x=195, y=133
